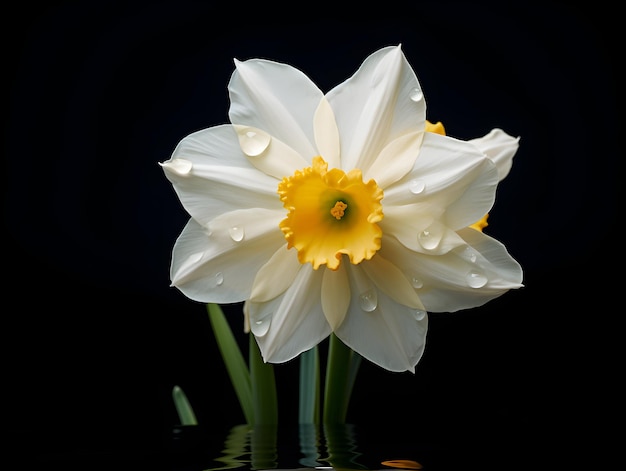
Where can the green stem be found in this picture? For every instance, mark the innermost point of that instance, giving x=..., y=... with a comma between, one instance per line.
x=263, y=387
x=341, y=371
x=308, y=412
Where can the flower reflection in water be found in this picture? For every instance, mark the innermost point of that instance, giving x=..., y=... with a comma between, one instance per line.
x=316, y=447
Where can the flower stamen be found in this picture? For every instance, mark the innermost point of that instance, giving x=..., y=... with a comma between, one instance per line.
x=338, y=210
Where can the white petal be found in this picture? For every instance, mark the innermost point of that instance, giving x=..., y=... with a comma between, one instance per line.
x=276, y=159
x=276, y=275
x=327, y=134
x=419, y=231
x=500, y=147
x=375, y=106
x=207, y=260
x=293, y=322
x=391, y=281
x=456, y=181
x=335, y=295
x=504, y=272
x=392, y=336
x=405, y=222
x=277, y=98
x=212, y=176
x=463, y=278
x=396, y=159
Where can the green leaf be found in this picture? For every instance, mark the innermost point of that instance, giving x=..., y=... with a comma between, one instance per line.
x=185, y=412
x=308, y=412
x=355, y=362
x=341, y=370
x=233, y=360
x=265, y=401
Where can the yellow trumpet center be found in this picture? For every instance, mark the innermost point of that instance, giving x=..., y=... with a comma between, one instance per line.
x=330, y=213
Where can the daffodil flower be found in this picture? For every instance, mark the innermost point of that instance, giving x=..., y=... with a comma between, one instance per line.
x=339, y=212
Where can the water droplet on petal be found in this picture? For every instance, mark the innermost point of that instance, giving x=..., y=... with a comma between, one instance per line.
x=260, y=326
x=236, y=233
x=216, y=280
x=429, y=238
x=418, y=314
x=476, y=279
x=416, y=186
x=416, y=94
x=469, y=254
x=368, y=300
x=180, y=167
x=417, y=283
x=253, y=141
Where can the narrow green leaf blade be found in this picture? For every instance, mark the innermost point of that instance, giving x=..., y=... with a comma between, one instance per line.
x=353, y=369
x=233, y=360
x=308, y=411
x=184, y=410
x=340, y=375
x=263, y=387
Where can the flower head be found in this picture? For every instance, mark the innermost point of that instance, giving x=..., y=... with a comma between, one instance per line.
x=331, y=213
x=344, y=212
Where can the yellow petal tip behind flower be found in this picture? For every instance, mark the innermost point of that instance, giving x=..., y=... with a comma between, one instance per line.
x=436, y=128
x=481, y=223
x=330, y=213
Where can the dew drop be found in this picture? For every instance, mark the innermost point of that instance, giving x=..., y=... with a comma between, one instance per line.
x=476, y=279
x=253, y=141
x=180, y=167
x=417, y=283
x=216, y=280
x=236, y=233
x=429, y=239
x=418, y=314
x=417, y=186
x=470, y=254
x=194, y=258
x=368, y=300
x=416, y=94
x=260, y=326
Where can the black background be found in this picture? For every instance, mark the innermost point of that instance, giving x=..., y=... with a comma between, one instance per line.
x=99, y=92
